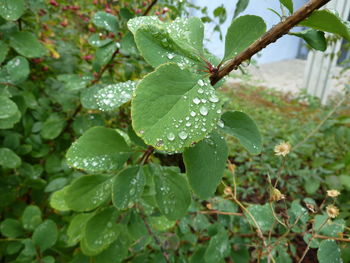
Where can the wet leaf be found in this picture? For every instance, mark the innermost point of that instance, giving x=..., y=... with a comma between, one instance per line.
x=316, y=39
x=329, y=252
x=9, y=159
x=27, y=44
x=45, y=235
x=106, y=21
x=12, y=9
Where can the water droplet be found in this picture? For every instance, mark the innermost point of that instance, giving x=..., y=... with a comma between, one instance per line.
x=200, y=82
x=142, y=132
x=203, y=110
x=218, y=111
x=221, y=124
x=183, y=135
x=214, y=99
x=200, y=91
x=196, y=101
x=159, y=143
x=192, y=113
x=170, y=56
x=188, y=124
x=171, y=136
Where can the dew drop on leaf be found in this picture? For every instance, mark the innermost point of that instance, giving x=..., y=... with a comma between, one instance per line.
x=183, y=135
x=203, y=110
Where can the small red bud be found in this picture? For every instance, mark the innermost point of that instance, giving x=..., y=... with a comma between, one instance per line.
x=54, y=3
x=108, y=10
x=64, y=23
x=88, y=57
x=95, y=2
x=92, y=29
x=42, y=12
x=157, y=13
x=138, y=11
x=144, y=3
x=45, y=68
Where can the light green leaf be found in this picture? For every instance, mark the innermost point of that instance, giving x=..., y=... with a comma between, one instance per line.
x=106, y=21
x=53, y=127
x=57, y=200
x=45, y=235
x=329, y=252
x=74, y=82
x=243, y=32
x=95, y=41
x=241, y=126
x=11, y=228
x=9, y=159
x=31, y=217
x=173, y=108
x=137, y=22
x=12, y=9
x=99, y=149
x=76, y=227
x=161, y=223
x=263, y=216
x=172, y=193
x=218, y=247
x=314, y=38
x=288, y=4
x=240, y=7
x=127, y=187
x=16, y=71
x=205, y=165
x=326, y=20
x=101, y=230
x=110, y=97
x=7, y=107
x=88, y=192
x=26, y=44
x=332, y=228
x=4, y=48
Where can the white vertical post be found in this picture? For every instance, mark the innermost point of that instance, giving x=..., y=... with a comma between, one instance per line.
x=320, y=65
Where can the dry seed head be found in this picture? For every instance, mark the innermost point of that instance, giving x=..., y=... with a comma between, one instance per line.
x=276, y=195
x=332, y=211
x=228, y=190
x=333, y=193
x=282, y=149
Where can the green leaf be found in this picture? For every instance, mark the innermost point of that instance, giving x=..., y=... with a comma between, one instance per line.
x=101, y=230
x=173, y=108
x=329, y=252
x=76, y=227
x=106, y=21
x=9, y=159
x=12, y=9
x=218, y=247
x=241, y=126
x=45, y=235
x=137, y=22
x=205, y=165
x=16, y=71
x=127, y=187
x=314, y=38
x=332, y=228
x=95, y=41
x=75, y=82
x=99, y=149
x=180, y=41
x=243, y=32
x=110, y=97
x=31, y=217
x=53, y=127
x=104, y=55
x=240, y=7
x=10, y=121
x=88, y=192
x=57, y=200
x=172, y=193
x=326, y=20
x=7, y=107
x=220, y=12
x=26, y=44
x=288, y=4
x=263, y=216
x=11, y=228
x=161, y=223
x=4, y=48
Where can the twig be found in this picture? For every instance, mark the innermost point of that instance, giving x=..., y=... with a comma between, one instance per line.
x=150, y=7
x=314, y=131
x=155, y=238
x=269, y=37
x=333, y=238
x=220, y=213
x=105, y=67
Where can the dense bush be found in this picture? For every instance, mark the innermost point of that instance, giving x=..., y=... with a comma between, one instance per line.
x=156, y=172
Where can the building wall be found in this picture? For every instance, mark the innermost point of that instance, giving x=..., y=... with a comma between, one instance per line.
x=285, y=48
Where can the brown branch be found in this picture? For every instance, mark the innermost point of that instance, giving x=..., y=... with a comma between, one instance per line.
x=150, y=7
x=155, y=238
x=269, y=37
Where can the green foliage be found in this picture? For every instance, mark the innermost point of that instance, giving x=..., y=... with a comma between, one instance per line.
x=112, y=146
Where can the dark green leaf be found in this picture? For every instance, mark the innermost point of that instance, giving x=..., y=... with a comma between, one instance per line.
x=220, y=12
x=31, y=217
x=241, y=126
x=127, y=187
x=326, y=20
x=263, y=216
x=76, y=227
x=205, y=165
x=9, y=159
x=45, y=235
x=288, y=4
x=11, y=228
x=4, y=48
x=99, y=149
x=314, y=38
x=172, y=193
x=240, y=7
x=242, y=32
x=217, y=249
x=53, y=127
x=329, y=252
x=12, y=9
x=106, y=21
x=88, y=192
x=26, y=44
x=7, y=107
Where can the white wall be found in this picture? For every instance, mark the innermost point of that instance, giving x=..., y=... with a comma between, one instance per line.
x=285, y=48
